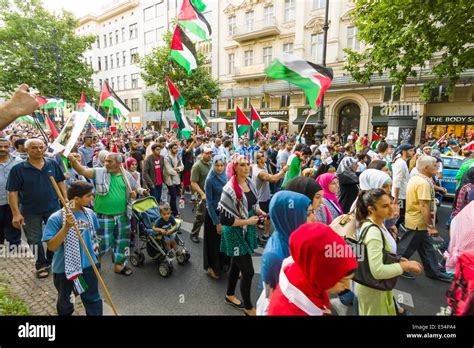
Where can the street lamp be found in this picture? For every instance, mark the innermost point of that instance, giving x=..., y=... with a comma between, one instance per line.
x=320, y=122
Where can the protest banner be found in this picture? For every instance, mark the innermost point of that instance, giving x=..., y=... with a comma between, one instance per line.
x=70, y=133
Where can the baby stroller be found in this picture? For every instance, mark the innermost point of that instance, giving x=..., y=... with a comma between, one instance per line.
x=146, y=211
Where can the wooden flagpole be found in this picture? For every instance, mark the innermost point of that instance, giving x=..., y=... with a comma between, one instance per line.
x=91, y=260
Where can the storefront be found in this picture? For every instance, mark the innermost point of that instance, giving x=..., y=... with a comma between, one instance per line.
x=282, y=114
x=436, y=126
x=310, y=128
x=379, y=121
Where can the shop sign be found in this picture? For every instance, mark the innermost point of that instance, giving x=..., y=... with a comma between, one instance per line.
x=463, y=120
x=274, y=113
x=397, y=110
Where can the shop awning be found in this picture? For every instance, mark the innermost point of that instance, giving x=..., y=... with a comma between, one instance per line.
x=311, y=120
x=379, y=120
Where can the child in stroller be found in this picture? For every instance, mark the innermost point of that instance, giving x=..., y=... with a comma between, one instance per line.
x=166, y=225
x=162, y=242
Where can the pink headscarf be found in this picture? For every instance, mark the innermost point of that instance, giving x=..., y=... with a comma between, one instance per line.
x=324, y=180
x=129, y=162
x=462, y=236
x=233, y=180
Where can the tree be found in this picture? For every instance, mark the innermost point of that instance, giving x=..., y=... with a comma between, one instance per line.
x=36, y=46
x=199, y=89
x=401, y=36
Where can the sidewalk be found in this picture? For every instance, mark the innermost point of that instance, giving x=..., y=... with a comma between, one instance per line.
x=38, y=294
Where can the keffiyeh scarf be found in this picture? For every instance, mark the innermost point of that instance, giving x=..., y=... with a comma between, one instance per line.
x=72, y=253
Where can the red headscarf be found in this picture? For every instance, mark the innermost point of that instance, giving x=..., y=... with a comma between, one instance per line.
x=128, y=163
x=233, y=180
x=321, y=259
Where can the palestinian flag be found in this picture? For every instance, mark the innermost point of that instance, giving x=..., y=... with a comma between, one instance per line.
x=194, y=21
x=375, y=141
x=251, y=133
x=177, y=101
x=199, y=5
x=82, y=102
x=242, y=125
x=50, y=102
x=256, y=120
x=84, y=106
x=112, y=102
x=468, y=146
x=27, y=119
x=182, y=50
x=174, y=127
x=260, y=135
x=201, y=120
x=313, y=79
x=294, y=162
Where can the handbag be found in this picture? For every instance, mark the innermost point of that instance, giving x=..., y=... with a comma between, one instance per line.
x=345, y=224
x=363, y=274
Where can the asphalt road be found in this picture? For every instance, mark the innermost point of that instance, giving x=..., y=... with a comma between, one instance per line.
x=190, y=291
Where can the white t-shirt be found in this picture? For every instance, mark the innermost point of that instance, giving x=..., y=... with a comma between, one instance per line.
x=401, y=175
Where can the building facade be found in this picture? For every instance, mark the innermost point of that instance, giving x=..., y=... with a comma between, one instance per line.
x=127, y=30
x=255, y=32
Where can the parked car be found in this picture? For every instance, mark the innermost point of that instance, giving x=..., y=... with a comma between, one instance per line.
x=451, y=165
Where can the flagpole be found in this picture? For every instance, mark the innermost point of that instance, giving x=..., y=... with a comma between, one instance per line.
x=302, y=128
x=168, y=64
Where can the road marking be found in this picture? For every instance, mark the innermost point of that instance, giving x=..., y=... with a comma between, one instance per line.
x=403, y=298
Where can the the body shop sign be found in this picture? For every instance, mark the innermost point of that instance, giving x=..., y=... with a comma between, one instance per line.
x=464, y=120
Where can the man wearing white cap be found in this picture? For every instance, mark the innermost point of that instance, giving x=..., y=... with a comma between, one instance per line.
x=198, y=178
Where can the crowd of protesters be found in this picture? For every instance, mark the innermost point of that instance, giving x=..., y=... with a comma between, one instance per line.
x=238, y=198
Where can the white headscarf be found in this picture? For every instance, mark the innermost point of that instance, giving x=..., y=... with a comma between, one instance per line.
x=373, y=179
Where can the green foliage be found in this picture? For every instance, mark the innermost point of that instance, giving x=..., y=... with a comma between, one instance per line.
x=198, y=89
x=27, y=25
x=10, y=305
x=402, y=35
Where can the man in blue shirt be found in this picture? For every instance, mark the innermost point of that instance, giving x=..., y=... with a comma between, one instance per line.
x=32, y=198
x=87, y=151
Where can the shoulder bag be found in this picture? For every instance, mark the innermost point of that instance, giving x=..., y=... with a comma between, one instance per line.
x=363, y=274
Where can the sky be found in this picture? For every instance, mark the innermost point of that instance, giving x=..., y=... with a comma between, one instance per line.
x=78, y=7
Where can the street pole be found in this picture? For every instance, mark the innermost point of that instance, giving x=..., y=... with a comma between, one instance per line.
x=320, y=122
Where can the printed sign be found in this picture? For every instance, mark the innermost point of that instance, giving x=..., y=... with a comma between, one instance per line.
x=70, y=133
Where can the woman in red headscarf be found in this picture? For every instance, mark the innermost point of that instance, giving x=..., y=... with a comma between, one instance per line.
x=320, y=263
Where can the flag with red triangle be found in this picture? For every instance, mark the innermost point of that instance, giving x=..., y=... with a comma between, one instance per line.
x=52, y=128
x=112, y=102
x=375, y=141
x=82, y=102
x=256, y=120
x=183, y=51
x=241, y=126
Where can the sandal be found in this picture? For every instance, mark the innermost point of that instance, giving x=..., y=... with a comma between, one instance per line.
x=212, y=274
x=233, y=304
x=125, y=271
x=42, y=273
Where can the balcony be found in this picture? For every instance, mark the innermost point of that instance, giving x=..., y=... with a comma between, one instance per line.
x=256, y=29
x=251, y=72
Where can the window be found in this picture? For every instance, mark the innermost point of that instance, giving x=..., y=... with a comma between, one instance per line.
x=268, y=15
x=265, y=102
x=135, y=104
x=352, y=41
x=112, y=82
x=246, y=102
x=317, y=4
x=124, y=56
x=267, y=55
x=117, y=58
x=116, y=36
x=105, y=40
x=285, y=101
x=106, y=63
x=149, y=13
x=134, y=80
x=111, y=39
x=159, y=34
x=99, y=63
x=133, y=29
x=248, y=58
x=439, y=95
x=249, y=20
x=134, y=55
x=118, y=83
x=230, y=103
x=125, y=82
x=100, y=83
x=288, y=48
x=150, y=37
x=97, y=39
x=317, y=47
x=289, y=10
x=125, y=101
x=231, y=63
x=123, y=34
x=389, y=94
x=111, y=61
x=232, y=25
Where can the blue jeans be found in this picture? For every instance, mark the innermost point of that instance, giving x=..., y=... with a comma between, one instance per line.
x=156, y=192
x=34, y=233
x=90, y=298
x=420, y=241
x=7, y=231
